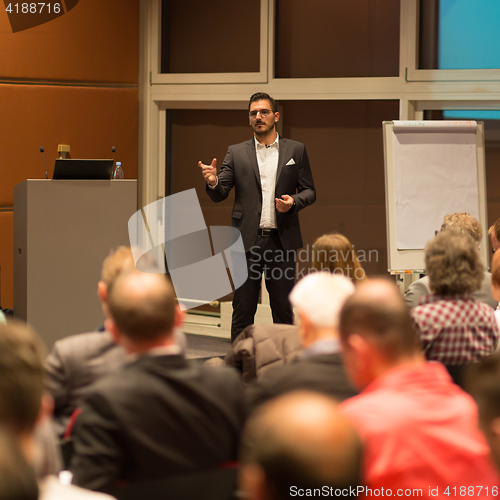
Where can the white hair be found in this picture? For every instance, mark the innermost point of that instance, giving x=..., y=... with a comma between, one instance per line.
x=320, y=296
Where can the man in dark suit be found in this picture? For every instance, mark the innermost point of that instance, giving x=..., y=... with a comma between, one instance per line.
x=273, y=182
x=318, y=299
x=159, y=415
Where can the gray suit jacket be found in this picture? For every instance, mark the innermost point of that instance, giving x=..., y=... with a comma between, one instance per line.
x=420, y=288
x=293, y=177
x=74, y=365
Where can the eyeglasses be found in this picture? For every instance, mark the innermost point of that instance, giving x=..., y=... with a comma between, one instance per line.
x=263, y=112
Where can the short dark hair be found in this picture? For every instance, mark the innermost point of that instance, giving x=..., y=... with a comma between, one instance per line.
x=453, y=264
x=262, y=96
x=386, y=322
x=147, y=316
x=17, y=478
x=21, y=376
x=482, y=381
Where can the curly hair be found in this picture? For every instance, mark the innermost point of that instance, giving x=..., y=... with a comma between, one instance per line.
x=334, y=253
x=463, y=222
x=453, y=264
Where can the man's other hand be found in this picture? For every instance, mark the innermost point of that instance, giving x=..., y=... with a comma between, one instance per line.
x=209, y=172
x=284, y=204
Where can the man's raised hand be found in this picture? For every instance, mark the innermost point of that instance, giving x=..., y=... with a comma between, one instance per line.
x=209, y=172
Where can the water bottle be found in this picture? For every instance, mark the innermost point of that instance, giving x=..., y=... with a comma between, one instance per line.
x=118, y=171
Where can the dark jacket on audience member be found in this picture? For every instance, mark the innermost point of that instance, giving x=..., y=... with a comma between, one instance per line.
x=158, y=416
x=322, y=373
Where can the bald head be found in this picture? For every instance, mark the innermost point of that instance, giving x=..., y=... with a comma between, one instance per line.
x=300, y=440
x=142, y=306
x=377, y=311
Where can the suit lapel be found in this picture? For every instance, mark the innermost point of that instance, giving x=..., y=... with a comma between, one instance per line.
x=252, y=155
x=281, y=157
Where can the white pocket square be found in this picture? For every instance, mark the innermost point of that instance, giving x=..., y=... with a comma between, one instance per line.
x=291, y=162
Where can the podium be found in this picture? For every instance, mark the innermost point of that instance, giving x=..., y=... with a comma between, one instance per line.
x=63, y=230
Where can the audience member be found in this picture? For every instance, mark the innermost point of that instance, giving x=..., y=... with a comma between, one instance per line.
x=317, y=300
x=419, y=428
x=334, y=253
x=483, y=382
x=78, y=361
x=462, y=223
x=159, y=415
x=23, y=408
x=17, y=477
x=454, y=328
x=495, y=284
x=494, y=234
x=298, y=445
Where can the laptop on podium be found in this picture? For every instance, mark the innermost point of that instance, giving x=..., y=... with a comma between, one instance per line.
x=69, y=169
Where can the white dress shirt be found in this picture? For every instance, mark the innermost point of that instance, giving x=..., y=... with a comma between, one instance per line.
x=267, y=159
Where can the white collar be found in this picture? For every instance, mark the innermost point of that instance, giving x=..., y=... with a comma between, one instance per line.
x=275, y=144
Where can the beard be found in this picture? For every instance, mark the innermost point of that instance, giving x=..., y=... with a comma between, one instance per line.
x=261, y=128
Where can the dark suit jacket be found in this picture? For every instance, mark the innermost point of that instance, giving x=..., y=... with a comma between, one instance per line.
x=156, y=417
x=321, y=373
x=241, y=170
x=74, y=364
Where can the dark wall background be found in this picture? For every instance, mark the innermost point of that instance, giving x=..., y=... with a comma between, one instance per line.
x=70, y=81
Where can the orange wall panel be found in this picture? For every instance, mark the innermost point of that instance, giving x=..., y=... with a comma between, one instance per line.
x=90, y=120
x=96, y=41
x=6, y=259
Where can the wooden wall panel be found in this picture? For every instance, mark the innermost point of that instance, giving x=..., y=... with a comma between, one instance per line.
x=210, y=37
x=96, y=41
x=345, y=148
x=326, y=39
x=202, y=135
x=90, y=120
x=6, y=259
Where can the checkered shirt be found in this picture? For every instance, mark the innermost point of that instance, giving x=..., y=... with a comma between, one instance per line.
x=455, y=330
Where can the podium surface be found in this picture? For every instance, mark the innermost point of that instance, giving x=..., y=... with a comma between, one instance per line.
x=63, y=230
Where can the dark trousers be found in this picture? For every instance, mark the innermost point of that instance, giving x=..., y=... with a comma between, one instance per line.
x=267, y=257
